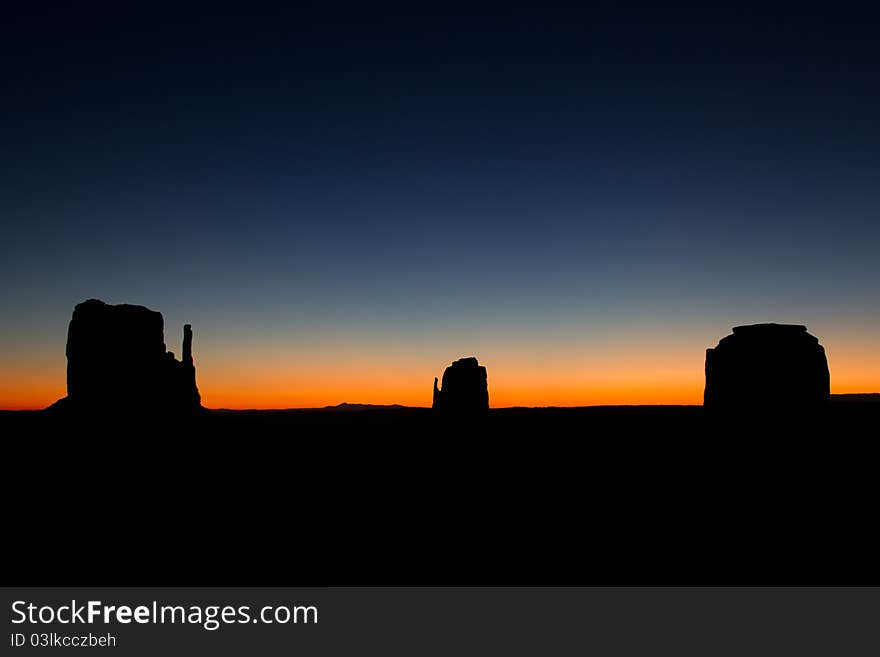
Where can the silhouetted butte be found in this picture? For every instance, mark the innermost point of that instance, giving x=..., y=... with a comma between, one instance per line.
x=765, y=366
x=117, y=362
x=465, y=389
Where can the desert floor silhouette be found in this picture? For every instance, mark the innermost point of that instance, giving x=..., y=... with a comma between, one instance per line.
x=396, y=495
x=594, y=496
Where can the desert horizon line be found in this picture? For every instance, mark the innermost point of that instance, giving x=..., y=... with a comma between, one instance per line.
x=658, y=399
x=492, y=407
x=427, y=407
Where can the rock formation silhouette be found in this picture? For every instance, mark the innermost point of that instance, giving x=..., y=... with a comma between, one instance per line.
x=465, y=389
x=117, y=362
x=765, y=366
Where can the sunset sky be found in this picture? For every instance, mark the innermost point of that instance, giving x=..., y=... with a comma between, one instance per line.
x=343, y=200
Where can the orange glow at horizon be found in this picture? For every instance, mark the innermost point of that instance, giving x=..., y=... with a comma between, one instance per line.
x=567, y=368
x=313, y=384
x=499, y=397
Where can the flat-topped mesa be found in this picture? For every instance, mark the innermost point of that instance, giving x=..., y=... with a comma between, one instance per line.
x=763, y=366
x=116, y=361
x=465, y=389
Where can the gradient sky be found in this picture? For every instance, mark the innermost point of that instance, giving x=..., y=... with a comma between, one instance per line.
x=342, y=200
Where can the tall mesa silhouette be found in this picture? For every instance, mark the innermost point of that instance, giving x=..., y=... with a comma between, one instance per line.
x=763, y=366
x=117, y=362
x=465, y=389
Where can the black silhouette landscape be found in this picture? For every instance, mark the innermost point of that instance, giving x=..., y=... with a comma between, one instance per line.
x=777, y=490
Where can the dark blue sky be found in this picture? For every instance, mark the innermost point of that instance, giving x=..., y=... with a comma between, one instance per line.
x=424, y=172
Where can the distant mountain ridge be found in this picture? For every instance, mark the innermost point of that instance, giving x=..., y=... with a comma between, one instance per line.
x=345, y=406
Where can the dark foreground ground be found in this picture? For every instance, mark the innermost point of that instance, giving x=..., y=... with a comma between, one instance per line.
x=619, y=495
